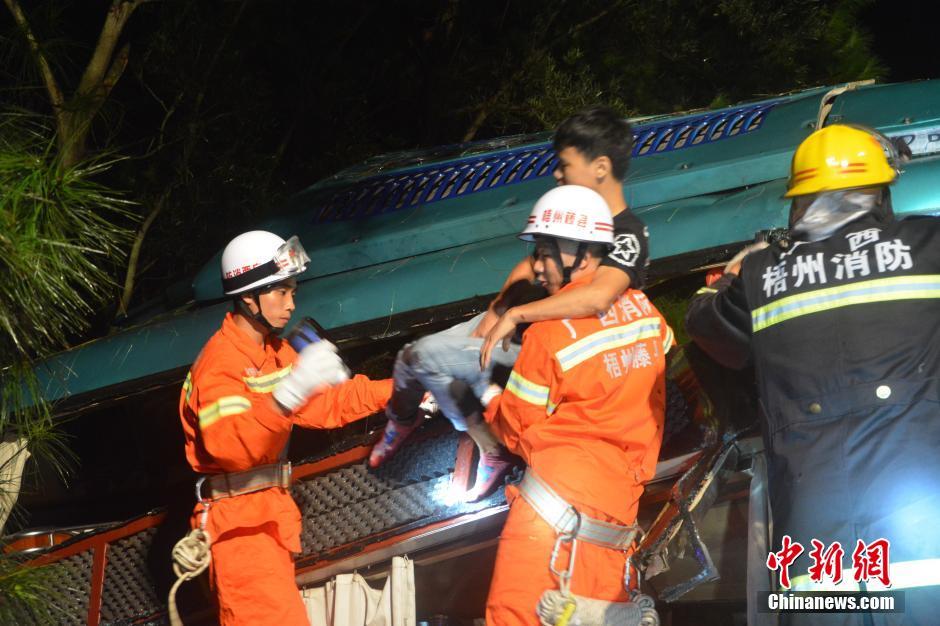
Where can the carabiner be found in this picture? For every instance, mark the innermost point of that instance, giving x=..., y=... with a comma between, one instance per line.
x=204, y=516
x=199, y=482
x=571, y=536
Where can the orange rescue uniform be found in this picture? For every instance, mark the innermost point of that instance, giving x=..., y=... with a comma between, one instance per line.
x=231, y=424
x=584, y=406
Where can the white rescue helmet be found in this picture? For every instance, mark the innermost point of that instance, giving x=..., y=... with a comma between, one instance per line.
x=259, y=258
x=571, y=212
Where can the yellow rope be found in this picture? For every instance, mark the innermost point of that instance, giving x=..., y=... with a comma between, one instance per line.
x=567, y=613
x=191, y=557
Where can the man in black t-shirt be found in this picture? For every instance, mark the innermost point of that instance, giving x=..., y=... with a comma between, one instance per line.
x=593, y=149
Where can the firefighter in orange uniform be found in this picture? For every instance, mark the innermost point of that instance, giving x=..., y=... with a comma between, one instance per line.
x=239, y=402
x=584, y=406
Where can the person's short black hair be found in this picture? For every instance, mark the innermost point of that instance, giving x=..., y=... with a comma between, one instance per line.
x=596, y=132
x=598, y=250
x=594, y=249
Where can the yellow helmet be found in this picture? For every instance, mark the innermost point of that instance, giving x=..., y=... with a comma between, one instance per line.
x=839, y=157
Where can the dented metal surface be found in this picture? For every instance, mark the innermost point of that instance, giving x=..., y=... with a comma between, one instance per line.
x=675, y=533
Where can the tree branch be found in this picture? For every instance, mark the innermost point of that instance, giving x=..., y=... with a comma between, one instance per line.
x=130, y=279
x=159, y=142
x=52, y=86
x=133, y=259
x=101, y=59
x=482, y=113
x=582, y=25
x=101, y=74
x=115, y=71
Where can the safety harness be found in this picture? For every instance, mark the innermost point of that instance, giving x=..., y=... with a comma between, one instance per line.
x=214, y=487
x=191, y=554
x=560, y=607
x=568, y=522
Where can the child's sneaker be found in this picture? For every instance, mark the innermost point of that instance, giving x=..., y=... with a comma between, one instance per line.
x=491, y=471
x=394, y=435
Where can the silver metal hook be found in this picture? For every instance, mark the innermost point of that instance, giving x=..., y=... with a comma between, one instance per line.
x=571, y=536
x=199, y=482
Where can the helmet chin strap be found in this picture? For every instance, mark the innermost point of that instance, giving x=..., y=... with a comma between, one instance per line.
x=566, y=270
x=259, y=316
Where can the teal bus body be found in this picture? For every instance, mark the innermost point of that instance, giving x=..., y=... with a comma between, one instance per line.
x=434, y=253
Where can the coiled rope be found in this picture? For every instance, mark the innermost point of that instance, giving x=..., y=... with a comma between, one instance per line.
x=191, y=557
x=558, y=609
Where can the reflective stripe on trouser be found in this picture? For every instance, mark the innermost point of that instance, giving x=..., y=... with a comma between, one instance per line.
x=254, y=579
x=521, y=573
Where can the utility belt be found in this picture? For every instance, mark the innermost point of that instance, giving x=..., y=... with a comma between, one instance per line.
x=219, y=486
x=568, y=522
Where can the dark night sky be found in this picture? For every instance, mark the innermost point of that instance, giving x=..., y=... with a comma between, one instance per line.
x=906, y=36
x=290, y=84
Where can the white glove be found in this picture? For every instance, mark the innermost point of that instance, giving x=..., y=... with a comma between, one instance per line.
x=734, y=265
x=317, y=366
x=491, y=392
x=428, y=404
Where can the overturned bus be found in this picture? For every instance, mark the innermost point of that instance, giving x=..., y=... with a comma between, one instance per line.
x=407, y=244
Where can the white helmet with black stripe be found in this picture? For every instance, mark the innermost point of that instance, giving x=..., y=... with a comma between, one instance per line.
x=256, y=261
x=259, y=258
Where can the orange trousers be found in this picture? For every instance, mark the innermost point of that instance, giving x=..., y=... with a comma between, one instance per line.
x=522, y=570
x=254, y=579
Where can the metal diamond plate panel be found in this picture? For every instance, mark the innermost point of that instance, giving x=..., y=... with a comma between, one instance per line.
x=71, y=587
x=129, y=592
x=352, y=503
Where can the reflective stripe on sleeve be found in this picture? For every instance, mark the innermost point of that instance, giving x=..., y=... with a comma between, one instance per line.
x=668, y=340
x=607, y=339
x=525, y=389
x=864, y=292
x=188, y=386
x=223, y=407
x=705, y=290
x=266, y=383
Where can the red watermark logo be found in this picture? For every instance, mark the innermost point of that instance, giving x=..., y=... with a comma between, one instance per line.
x=869, y=561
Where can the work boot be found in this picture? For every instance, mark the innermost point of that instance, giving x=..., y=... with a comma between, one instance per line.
x=394, y=435
x=491, y=471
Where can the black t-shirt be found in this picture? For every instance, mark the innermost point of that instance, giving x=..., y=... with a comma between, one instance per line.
x=631, y=248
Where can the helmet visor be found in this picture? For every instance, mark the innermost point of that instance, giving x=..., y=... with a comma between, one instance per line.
x=817, y=217
x=291, y=258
